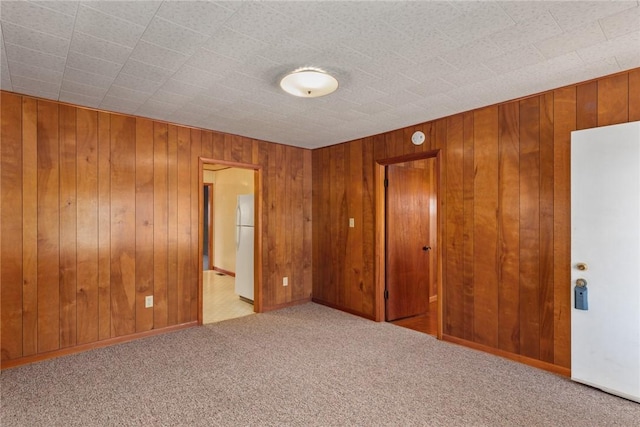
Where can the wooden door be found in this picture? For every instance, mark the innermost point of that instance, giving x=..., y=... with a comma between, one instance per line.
x=407, y=241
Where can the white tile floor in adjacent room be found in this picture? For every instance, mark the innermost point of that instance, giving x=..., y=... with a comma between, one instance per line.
x=220, y=302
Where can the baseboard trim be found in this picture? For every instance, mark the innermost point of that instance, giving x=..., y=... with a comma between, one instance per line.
x=6, y=364
x=223, y=271
x=266, y=308
x=347, y=310
x=550, y=367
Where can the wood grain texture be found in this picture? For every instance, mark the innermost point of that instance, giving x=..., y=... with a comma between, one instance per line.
x=104, y=226
x=486, y=256
x=11, y=268
x=29, y=226
x=87, y=223
x=160, y=224
x=613, y=99
x=506, y=275
x=123, y=226
x=454, y=227
x=587, y=105
x=564, y=119
x=48, y=228
x=546, y=306
x=68, y=226
x=144, y=224
x=529, y=233
x=38, y=129
x=634, y=95
x=509, y=207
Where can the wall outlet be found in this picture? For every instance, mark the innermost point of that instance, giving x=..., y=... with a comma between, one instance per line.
x=352, y=222
x=148, y=301
x=285, y=281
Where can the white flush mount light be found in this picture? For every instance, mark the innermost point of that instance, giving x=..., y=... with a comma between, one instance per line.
x=418, y=138
x=309, y=82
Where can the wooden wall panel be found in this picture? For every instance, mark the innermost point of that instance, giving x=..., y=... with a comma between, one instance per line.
x=546, y=228
x=613, y=99
x=529, y=232
x=144, y=223
x=160, y=225
x=506, y=208
x=485, y=222
x=104, y=226
x=29, y=226
x=454, y=225
x=87, y=244
x=123, y=225
x=509, y=207
x=104, y=211
x=68, y=226
x=11, y=267
x=48, y=228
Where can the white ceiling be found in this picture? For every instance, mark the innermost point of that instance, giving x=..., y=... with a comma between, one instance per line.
x=217, y=65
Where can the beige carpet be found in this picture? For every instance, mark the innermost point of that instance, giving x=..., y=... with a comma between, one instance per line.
x=303, y=366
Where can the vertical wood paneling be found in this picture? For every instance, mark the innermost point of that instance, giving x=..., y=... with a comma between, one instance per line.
x=546, y=228
x=29, y=227
x=354, y=267
x=123, y=225
x=587, y=105
x=485, y=265
x=634, y=98
x=564, y=119
x=160, y=221
x=454, y=231
x=613, y=99
x=508, y=232
x=530, y=227
x=196, y=236
x=11, y=225
x=43, y=232
x=184, y=225
x=468, y=227
x=104, y=225
x=307, y=217
x=87, y=245
x=368, y=227
x=144, y=223
x=172, y=225
x=111, y=216
x=68, y=226
x=48, y=228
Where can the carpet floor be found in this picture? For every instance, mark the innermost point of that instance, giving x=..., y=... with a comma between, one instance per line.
x=307, y=365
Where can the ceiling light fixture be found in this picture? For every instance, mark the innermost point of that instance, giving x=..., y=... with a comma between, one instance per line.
x=309, y=82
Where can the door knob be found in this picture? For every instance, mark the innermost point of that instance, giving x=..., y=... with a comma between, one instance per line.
x=426, y=248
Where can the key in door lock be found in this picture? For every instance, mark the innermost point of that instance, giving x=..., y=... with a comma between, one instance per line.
x=580, y=295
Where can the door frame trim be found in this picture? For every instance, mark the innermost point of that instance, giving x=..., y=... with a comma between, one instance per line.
x=380, y=253
x=210, y=236
x=257, y=248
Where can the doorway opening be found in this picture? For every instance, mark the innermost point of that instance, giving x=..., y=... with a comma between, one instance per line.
x=408, y=241
x=230, y=241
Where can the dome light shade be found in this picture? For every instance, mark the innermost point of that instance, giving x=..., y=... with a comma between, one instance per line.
x=309, y=83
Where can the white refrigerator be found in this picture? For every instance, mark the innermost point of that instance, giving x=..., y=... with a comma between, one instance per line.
x=244, y=246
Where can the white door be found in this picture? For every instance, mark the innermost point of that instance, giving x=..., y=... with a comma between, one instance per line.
x=605, y=239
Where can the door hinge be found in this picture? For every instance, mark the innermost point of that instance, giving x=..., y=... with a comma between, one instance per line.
x=386, y=294
x=386, y=182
